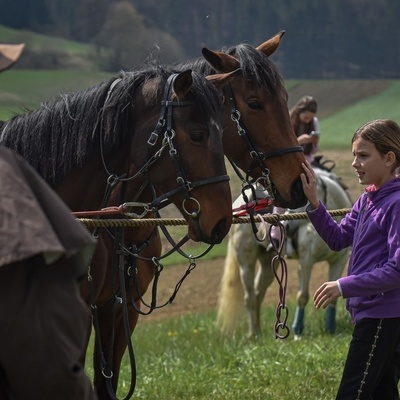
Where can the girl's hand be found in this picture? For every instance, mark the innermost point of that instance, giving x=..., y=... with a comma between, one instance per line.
x=326, y=294
x=306, y=139
x=310, y=185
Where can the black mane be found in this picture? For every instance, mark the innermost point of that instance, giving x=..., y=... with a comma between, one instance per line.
x=64, y=133
x=256, y=67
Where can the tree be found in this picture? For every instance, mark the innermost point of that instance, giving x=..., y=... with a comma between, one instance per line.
x=129, y=41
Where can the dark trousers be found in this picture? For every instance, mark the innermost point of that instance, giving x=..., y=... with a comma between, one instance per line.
x=43, y=331
x=372, y=368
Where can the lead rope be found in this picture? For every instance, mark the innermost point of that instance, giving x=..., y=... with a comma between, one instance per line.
x=281, y=328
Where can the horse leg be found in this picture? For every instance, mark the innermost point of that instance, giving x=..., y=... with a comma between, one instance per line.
x=263, y=280
x=247, y=267
x=304, y=275
x=230, y=295
x=114, y=341
x=114, y=332
x=336, y=268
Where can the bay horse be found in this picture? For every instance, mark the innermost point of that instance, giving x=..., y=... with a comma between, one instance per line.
x=153, y=125
x=258, y=138
x=248, y=270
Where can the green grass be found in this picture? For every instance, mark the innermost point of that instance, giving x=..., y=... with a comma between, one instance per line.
x=194, y=250
x=26, y=89
x=187, y=358
x=37, y=41
x=338, y=129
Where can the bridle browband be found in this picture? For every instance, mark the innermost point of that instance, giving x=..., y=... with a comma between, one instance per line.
x=257, y=156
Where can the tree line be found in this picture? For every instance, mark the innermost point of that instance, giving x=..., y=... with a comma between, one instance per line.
x=324, y=39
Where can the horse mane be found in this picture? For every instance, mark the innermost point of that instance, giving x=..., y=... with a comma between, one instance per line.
x=255, y=66
x=65, y=132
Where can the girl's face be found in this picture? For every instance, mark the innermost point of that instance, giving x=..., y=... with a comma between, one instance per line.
x=306, y=117
x=371, y=166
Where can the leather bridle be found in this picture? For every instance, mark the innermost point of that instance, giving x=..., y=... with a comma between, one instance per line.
x=257, y=156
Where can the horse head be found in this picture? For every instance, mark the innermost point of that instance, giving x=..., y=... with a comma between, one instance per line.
x=183, y=157
x=258, y=135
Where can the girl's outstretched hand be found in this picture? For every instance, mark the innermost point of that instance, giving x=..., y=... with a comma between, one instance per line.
x=310, y=185
x=326, y=294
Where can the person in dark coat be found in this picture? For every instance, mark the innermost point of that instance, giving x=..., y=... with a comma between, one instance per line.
x=44, y=254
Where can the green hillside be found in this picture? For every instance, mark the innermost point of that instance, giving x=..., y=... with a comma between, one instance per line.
x=48, y=52
x=37, y=41
x=344, y=105
x=26, y=89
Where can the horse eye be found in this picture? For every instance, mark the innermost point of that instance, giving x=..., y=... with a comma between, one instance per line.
x=254, y=105
x=196, y=136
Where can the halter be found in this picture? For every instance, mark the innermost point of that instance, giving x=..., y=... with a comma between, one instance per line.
x=164, y=126
x=165, y=120
x=257, y=156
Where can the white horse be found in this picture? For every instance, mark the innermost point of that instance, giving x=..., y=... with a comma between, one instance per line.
x=243, y=281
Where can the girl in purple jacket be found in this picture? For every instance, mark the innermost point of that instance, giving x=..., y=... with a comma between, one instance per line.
x=372, y=285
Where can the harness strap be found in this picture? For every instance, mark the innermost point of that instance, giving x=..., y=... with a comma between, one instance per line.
x=164, y=200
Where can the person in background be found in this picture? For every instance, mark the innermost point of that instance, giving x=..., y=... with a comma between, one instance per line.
x=44, y=254
x=306, y=127
x=372, y=285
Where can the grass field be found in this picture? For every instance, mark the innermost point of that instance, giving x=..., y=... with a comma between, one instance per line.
x=186, y=358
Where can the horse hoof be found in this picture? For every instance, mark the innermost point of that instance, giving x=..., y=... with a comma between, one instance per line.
x=297, y=337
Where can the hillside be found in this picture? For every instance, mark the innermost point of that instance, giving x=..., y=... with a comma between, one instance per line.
x=335, y=95
x=26, y=88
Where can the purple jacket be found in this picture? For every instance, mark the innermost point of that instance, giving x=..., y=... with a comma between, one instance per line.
x=372, y=285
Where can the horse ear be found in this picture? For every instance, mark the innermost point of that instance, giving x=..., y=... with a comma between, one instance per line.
x=182, y=83
x=220, y=61
x=269, y=47
x=220, y=80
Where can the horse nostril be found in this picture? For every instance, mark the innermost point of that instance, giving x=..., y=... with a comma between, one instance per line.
x=298, y=196
x=220, y=231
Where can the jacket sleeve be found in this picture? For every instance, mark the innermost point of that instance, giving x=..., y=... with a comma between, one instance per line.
x=384, y=275
x=337, y=235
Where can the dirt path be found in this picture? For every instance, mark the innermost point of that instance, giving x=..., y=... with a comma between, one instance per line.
x=199, y=291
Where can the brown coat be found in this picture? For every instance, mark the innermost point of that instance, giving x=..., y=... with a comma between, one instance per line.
x=34, y=220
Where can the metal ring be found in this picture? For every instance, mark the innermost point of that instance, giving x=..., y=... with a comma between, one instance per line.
x=107, y=376
x=193, y=214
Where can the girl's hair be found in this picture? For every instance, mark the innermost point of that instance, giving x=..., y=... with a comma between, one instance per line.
x=306, y=103
x=384, y=134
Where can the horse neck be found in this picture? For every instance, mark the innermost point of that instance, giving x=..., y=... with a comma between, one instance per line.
x=84, y=188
